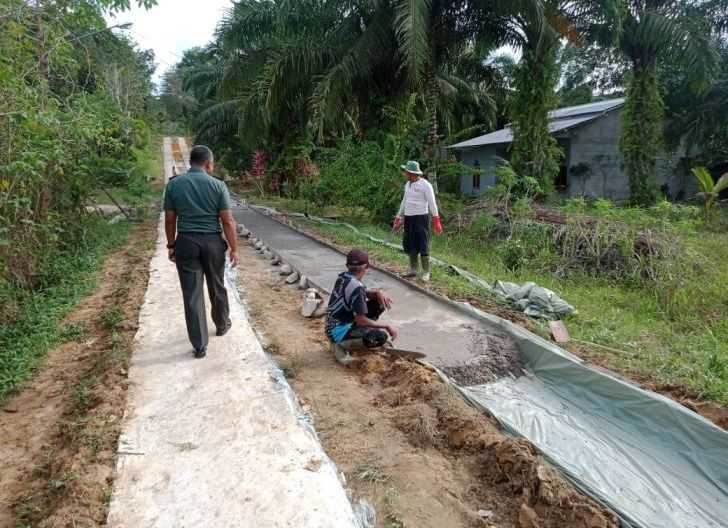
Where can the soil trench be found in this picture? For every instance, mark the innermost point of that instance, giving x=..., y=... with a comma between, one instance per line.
x=404, y=440
x=59, y=434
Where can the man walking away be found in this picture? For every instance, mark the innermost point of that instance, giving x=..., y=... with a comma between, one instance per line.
x=417, y=205
x=353, y=311
x=195, y=205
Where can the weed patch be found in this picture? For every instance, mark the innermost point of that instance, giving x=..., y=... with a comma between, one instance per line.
x=73, y=332
x=371, y=472
x=291, y=367
x=111, y=317
x=35, y=328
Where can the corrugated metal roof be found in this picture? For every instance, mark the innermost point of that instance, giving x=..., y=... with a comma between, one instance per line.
x=589, y=108
x=562, y=119
x=505, y=135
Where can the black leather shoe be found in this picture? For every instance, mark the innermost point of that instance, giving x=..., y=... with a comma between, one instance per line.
x=200, y=353
x=222, y=331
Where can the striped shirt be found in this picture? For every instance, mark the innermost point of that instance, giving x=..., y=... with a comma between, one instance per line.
x=348, y=299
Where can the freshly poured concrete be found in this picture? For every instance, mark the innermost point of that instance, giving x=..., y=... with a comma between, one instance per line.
x=448, y=337
x=215, y=442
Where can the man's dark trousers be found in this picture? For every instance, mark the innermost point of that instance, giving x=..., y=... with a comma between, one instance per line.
x=201, y=256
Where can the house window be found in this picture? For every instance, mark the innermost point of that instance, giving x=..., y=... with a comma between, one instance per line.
x=476, y=175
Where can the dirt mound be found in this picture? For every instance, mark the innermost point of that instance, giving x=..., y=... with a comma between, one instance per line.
x=402, y=385
x=431, y=414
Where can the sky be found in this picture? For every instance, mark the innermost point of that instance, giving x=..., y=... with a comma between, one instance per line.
x=172, y=27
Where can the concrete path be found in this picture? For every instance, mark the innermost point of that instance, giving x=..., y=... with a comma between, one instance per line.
x=185, y=151
x=217, y=442
x=425, y=324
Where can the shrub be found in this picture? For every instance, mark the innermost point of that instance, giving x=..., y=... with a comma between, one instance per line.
x=483, y=226
x=709, y=190
x=358, y=175
x=603, y=205
x=576, y=205
x=512, y=253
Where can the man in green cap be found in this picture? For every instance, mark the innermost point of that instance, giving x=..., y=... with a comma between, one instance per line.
x=418, y=204
x=195, y=206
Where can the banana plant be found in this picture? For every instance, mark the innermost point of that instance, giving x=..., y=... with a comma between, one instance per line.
x=709, y=189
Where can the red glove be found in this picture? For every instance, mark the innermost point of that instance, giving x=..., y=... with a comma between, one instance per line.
x=437, y=225
x=397, y=222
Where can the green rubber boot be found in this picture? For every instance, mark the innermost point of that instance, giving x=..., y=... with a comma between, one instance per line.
x=413, y=266
x=342, y=350
x=426, y=269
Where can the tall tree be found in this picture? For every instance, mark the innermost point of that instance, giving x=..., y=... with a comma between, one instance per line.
x=294, y=71
x=67, y=122
x=537, y=27
x=432, y=35
x=671, y=30
x=698, y=119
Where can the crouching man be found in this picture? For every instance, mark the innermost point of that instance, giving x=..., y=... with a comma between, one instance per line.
x=353, y=311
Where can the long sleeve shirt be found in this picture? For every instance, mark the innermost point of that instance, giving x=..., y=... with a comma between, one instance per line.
x=419, y=199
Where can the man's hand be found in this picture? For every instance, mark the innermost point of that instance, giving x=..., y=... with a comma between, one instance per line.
x=437, y=225
x=384, y=301
x=392, y=332
x=170, y=229
x=229, y=227
x=234, y=258
x=397, y=223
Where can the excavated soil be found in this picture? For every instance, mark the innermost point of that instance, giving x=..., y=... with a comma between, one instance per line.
x=405, y=440
x=59, y=434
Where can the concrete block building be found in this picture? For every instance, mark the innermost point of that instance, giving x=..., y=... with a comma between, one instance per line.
x=592, y=165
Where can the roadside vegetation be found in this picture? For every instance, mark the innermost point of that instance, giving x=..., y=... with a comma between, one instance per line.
x=75, y=103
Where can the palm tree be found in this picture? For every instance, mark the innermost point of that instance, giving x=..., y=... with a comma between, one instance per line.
x=671, y=30
x=537, y=27
x=435, y=37
x=698, y=119
x=292, y=70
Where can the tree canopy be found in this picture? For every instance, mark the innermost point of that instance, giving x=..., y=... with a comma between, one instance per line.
x=73, y=99
x=283, y=74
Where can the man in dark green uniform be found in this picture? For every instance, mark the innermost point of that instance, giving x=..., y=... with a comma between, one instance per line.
x=195, y=206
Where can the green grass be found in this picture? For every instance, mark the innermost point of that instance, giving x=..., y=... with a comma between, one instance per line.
x=68, y=273
x=37, y=329
x=683, y=343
